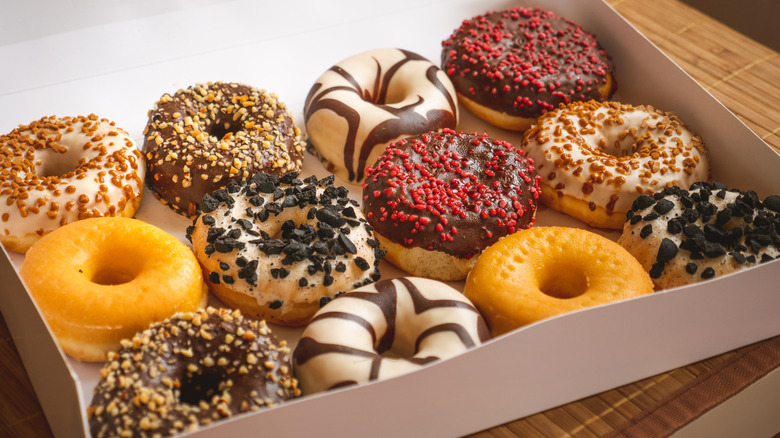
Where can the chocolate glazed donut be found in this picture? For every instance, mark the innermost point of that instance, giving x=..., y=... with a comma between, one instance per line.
x=202, y=137
x=417, y=320
x=364, y=102
x=511, y=66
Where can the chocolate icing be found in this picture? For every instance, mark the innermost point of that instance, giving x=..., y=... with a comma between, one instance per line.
x=202, y=137
x=451, y=192
x=525, y=61
x=405, y=120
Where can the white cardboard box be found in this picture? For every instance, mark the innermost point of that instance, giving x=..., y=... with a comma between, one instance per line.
x=115, y=59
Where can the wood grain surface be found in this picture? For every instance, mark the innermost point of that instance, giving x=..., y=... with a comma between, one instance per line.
x=738, y=71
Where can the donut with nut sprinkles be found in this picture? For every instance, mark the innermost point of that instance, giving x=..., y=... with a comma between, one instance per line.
x=202, y=137
x=58, y=170
x=511, y=66
x=187, y=372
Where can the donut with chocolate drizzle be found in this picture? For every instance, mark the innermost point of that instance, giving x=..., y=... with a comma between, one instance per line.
x=384, y=330
x=202, y=137
x=279, y=247
x=368, y=100
x=437, y=200
x=511, y=66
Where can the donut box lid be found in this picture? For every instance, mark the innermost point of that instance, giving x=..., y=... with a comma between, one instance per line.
x=128, y=55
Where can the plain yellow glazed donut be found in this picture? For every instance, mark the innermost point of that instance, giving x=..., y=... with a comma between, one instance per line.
x=100, y=280
x=545, y=271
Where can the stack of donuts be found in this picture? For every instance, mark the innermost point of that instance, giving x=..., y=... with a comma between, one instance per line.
x=184, y=327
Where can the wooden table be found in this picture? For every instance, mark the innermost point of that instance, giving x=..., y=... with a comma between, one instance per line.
x=741, y=73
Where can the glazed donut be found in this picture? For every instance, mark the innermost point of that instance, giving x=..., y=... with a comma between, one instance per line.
x=384, y=330
x=100, y=280
x=202, y=137
x=58, y=170
x=546, y=271
x=279, y=248
x=188, y=371
x=596, y=158
x=437, y=200
x=511, y=66
x=368, y=100
x=684, y=236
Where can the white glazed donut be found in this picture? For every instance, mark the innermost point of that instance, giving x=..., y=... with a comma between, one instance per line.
x=596, y=158
x=58, y=170
x=279, y=248
x=360, y=105
x=384, y=330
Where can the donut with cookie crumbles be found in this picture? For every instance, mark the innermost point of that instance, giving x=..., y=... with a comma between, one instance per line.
x=58, y=170
x=278, y=248
x=685, y=236
x=202, y=137
x=437, y=200
x=595, y=158
x=511, y=66
x=187, y=372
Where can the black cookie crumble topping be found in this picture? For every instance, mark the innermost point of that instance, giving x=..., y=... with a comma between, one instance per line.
x=742, y=229
x=323, y=243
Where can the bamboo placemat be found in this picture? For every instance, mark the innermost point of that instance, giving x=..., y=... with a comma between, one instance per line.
x=739, y=72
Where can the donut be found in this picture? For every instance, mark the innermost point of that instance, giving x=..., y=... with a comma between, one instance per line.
x=188, y=371
x=100, y=280
x=202, y=137
x=383, y=330
x=685, y=236
x=547, y=271
x=437, y=200
x=595, y=158
x=368, y=100
x=509, y=67
x=58, y=170
x=278, y=247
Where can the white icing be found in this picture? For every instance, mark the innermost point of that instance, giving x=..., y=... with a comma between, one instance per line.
x=82, y=158
x=287, y=290
x=573, y=147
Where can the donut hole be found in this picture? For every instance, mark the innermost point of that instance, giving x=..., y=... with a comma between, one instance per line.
x=114, y=273
x=57, y=164
x=222, y=129
x=199, y=387
x=563, y=282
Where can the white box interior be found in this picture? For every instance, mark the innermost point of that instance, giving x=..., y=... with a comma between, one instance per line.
x=116, y=59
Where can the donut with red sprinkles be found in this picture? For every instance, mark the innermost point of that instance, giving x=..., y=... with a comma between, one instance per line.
x=509, y=67
x=437, y=200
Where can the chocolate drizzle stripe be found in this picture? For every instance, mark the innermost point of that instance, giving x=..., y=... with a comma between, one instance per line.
x=422, y=304
x=353, y=122
x=376, y=364
x=313, y=349
x=431, y=74
x=458, y=329
x=342, y=384
x=349, y=317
